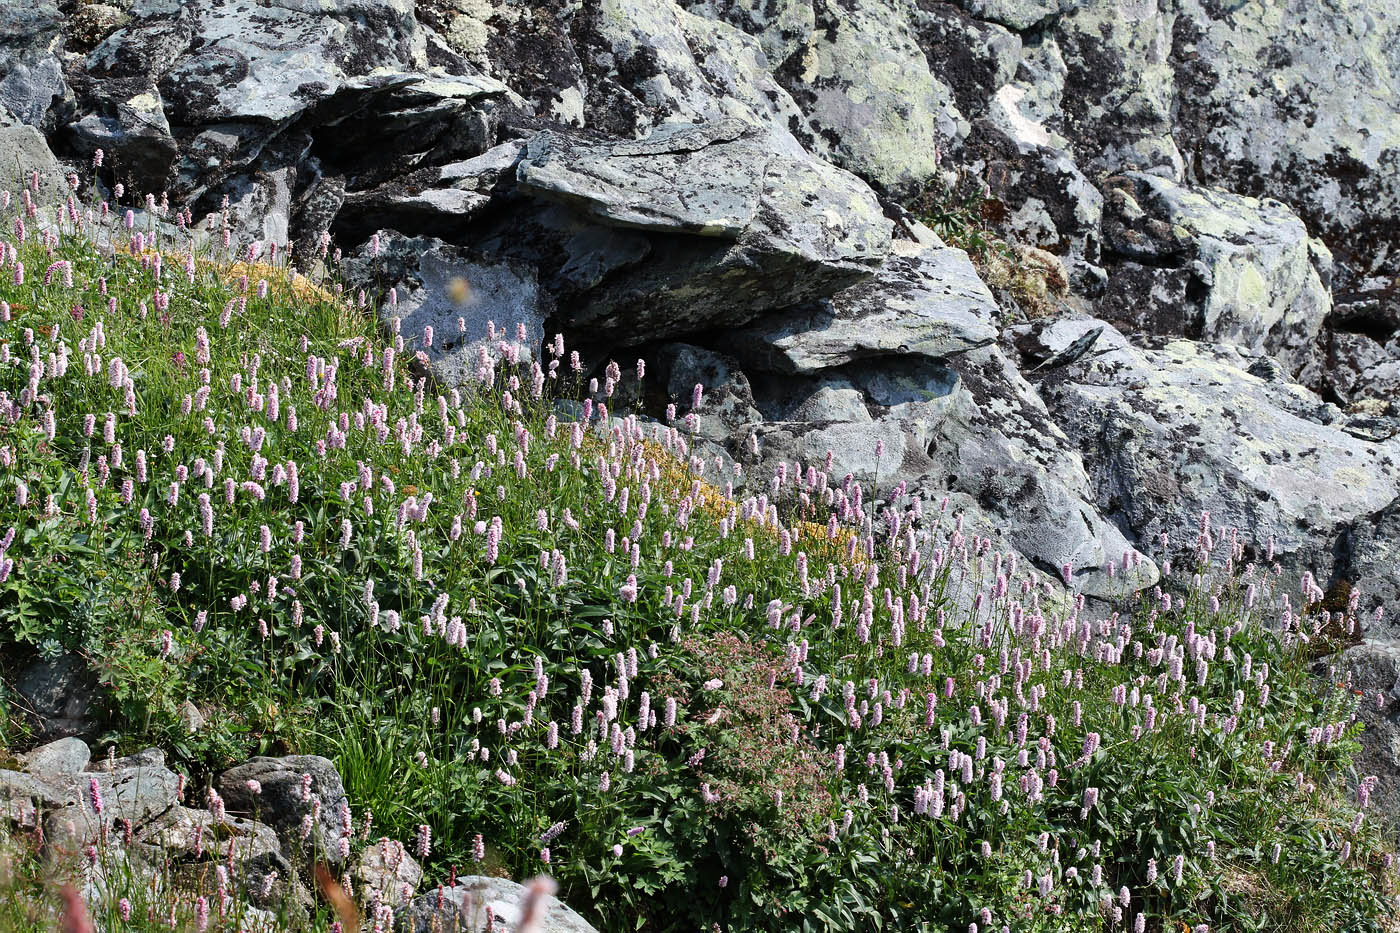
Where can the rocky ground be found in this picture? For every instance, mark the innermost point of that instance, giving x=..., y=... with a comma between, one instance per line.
x=268, y=820
x=720, y=183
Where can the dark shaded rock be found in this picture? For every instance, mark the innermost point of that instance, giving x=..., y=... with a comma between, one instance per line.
x=31, y=78
x=461, y=296
x=1373, y=669
x=745, y=230
x=281, y=803
x=439, y=200
x=61, y=695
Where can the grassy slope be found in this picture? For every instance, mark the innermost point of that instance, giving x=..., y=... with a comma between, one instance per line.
x=443, y=678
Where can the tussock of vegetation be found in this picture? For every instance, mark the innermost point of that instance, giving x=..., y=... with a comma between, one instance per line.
x=961, y=212
x=560, y=638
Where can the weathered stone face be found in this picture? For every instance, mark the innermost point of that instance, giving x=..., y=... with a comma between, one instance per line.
x=1296, y=101
x=1210, y=265
x=870, y=102
x=716, y=179
x=1182, y=428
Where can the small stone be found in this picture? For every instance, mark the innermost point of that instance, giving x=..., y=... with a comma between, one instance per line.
x=463, y=908
x=65, y=756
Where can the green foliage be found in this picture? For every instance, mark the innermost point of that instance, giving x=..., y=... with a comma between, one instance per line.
x=430, y=660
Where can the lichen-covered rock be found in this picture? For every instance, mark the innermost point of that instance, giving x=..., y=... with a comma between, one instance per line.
x=283, y=796
x=1210, y=265
x=976, y=58
x=923, y=301
x=871, y=104
x=188, y=95
x=1297, y=101
x=675, y=66
x=1181, y=428
x=781, y=26
x=1020, y=15
x=1118, y=95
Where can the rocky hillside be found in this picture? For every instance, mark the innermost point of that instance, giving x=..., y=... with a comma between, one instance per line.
x=721, y=181
x=755, y=195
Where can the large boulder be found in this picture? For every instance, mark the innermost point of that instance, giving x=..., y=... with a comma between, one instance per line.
x=735, y=229
x=285, y=792
x=1178, y=428
x=1206, y=264
x=669, y=65
x=925, y=300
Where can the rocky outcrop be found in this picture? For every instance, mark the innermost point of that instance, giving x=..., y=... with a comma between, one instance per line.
x=746, y=231
x=78, y=807
x=713, y=184
x=1177, y=428
x=1214, y=266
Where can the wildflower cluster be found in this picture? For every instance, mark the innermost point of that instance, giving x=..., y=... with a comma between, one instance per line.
x=534, y=632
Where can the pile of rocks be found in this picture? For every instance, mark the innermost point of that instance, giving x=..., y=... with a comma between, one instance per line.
x=268, y=821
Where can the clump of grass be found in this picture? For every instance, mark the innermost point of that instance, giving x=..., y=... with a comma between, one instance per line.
x=560, y=646
x=959, y=207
